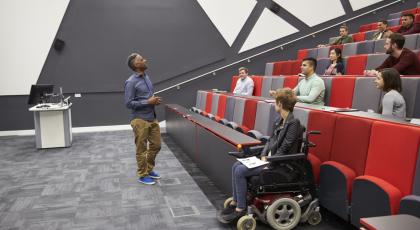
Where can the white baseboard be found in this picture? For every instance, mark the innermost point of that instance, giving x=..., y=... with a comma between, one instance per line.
x=31, y=132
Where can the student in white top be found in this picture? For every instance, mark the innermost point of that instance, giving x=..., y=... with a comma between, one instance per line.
x=245, y=84
x=393, y=103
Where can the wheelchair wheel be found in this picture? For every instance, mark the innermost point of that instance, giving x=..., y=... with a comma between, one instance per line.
x=283, y=214
x=246, y=223
x=227, y=202
x=315, y=218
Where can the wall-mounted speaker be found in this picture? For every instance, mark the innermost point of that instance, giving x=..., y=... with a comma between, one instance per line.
x=59, y=44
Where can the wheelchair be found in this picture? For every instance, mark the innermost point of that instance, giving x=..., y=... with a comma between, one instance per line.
x=283, y=195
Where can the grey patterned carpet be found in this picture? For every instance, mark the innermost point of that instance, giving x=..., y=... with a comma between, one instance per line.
x=93, y=185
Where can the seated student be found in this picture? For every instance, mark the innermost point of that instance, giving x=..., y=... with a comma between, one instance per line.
x=336, y=67
x=245, y=84
x=312, y=88
x=284, y=140
x=401, y=59
x=383, y=31
x=408, y=26
x=393, y=103
x=343, y=38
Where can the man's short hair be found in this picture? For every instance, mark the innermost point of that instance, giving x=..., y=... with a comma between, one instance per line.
x=130, y=60
x=344, y=27
x=312, y=61
x=385, y=22
x=398, y=39
x=408, y=15
x=243, y=68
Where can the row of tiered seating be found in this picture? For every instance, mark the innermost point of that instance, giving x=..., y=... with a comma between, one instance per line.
x=363, y=166
x=357, y=57
x=350, y=91
x=357, y=162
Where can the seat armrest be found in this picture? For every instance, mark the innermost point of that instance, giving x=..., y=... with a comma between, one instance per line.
x=232, y=125
x=297, y=156
x=255, y=134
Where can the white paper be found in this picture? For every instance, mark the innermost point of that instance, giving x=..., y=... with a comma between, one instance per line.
x=252, y=162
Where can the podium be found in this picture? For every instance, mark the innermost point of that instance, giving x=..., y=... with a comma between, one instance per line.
x=52, y=125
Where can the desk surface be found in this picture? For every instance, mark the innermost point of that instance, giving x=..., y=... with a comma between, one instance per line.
x=49, y=107
x=230, y=135
x=400, y=222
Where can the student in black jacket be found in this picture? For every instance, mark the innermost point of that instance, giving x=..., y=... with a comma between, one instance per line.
x=284, y=140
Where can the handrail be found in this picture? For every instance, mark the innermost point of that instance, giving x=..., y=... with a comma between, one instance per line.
x=273, y=48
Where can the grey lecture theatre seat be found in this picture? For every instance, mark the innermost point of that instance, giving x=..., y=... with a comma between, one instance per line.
x=366, y=95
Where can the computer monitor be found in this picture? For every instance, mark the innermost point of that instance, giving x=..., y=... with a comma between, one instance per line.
x=39, y=93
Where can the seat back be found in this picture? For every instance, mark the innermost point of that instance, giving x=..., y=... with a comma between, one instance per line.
x=342, y=89
x=221, y=108
x=250, y=109
x=322, y=65
x=323, y=52
x=296, y=67
x=290, y=81
x=366, y=95
x=214, y=103
x=199, y=100
x=356, y=65
x=257, y=85
x=411, y=94
x=265, y=117
x=396, y=15
x=324, y=122
x=411, y=41
x=209, y=98
x=302, y=114
x=393, y=21
x=269, y=67
x=350, y=49
x=233, y=84
x=230, y=108
x=277, y=83
x=375, y=60
x=238, y=112
x=302, y=53
x=366, y=47
x=312, y=53
x=266, y=86
x=379, y=46
x=351, y=142
x=369, y=34
x=358, y=37
x=392, y=154
x=327, y=94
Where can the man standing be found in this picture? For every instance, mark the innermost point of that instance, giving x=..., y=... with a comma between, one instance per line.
x=140, y=98
x=383, y=31
x=312, y=88
x=245, y=84
x=408, y=26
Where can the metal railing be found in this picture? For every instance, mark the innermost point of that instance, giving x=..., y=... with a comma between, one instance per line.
x=276, y=47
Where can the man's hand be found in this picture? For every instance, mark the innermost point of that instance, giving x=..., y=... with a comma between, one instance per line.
x=264, y=158
x=371, y=72
x=153, y=100
x=272, y=93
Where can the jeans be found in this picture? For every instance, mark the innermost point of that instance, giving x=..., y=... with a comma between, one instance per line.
x=146, y=132
x=239, y=184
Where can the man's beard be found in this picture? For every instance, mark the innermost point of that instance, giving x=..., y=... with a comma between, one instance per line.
x=389, y=51
x=142, y=68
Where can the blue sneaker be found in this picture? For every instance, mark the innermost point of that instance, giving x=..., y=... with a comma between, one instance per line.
x=154, y=175
x=146, y=180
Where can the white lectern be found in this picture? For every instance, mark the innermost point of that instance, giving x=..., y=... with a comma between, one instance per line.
x=52, y=125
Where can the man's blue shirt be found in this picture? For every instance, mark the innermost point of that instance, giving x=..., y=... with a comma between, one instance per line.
x=139, y=88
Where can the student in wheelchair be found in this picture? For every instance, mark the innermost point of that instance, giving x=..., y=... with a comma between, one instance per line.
x=275, y=193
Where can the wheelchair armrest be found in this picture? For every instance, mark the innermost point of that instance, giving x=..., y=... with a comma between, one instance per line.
x=286, y=157
x=264, y=139
x=237, y=154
